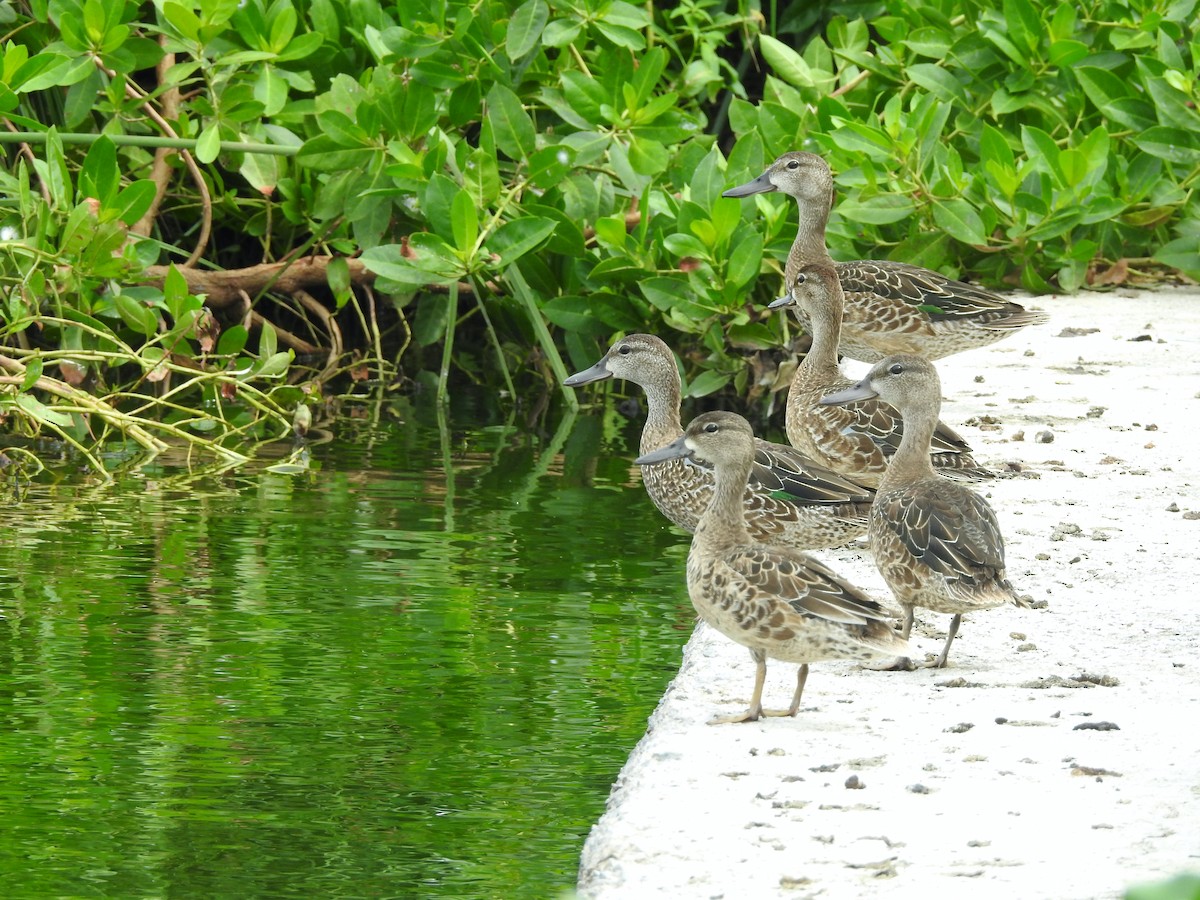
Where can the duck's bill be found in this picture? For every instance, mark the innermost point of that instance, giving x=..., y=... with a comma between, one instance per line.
x=760, y=185
x=860, y=391
x=598, y=372
x=780, y=302
x=677, y=449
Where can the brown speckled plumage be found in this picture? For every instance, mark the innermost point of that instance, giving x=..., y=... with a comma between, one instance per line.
x=790, y=499
x=777, y=602
x=858, y=439
x=891, y=307
x=936, y=542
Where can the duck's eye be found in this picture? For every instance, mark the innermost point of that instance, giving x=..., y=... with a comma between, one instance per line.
x=712, y=428
x=624, y=349
x=793, y=164
x=801, y=278
x=895, y=368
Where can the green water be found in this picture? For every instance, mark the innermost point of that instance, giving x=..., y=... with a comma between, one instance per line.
x=412, y=671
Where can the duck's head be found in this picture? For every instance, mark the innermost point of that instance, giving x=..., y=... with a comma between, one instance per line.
x=719, y=438
x=640, y=358
x=814, y=289
x=798, y=174
x=903, y=381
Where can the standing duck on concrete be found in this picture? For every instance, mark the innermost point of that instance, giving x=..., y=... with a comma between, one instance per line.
x=777, y=602
x=936, y=542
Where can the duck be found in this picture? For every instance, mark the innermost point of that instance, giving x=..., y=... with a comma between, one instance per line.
x=856, y=440
x=778, y=602
x=936, y=542
x=891, y=307
x=789, y=498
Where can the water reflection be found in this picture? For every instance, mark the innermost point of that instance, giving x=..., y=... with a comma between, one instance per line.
x=411, y=671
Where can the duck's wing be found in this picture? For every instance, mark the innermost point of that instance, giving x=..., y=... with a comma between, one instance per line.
x=803, y=584
x=948, y=529
x=779, y=467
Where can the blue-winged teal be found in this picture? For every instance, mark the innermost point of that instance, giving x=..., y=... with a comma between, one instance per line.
x=856, y=440
x=789, y=500
x=891, y=307
x=776, y=601
x=936, y=542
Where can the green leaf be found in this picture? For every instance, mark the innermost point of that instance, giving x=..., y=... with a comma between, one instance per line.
x=1074, y=166
x=262, y=171
x=439, y=195
x=561, y=32
x=268, y=342
x=275, y=365
x=182, y=19
x=1171, y=105
x=1067, y=52
x=706, y=383
x=464, y=223
x=881, y=209
x=856, y=136
x=1024, y=25
x=271, y=90
x=622, y=36
x=342, y=129
x=525, y=27
x=208, y=145
x=929, y=41
x=993, y=146
x=939, y=82
x=429, y=324
x=1040, y=148
x=1172, y=144
x=337, y=274
x=575, y=314
x=327, y=155
x=790, y=65
x=512, y=126
x=133, y=202
x=1183, y=254
x=514, y=239
x=135, y=315
x=37, y=410
x=648, y=157
x=1111, y=96
x=99, y=177
x=232, y=340
x=745, y=260
x=959, y=219
x=33, y=371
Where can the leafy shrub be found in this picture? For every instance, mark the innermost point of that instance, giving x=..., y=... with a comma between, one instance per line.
x=527, y=177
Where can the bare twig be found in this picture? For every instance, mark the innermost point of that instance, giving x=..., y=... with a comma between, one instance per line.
x=160, y=171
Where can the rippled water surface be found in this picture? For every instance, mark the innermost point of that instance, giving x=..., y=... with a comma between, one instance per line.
x=414, y=670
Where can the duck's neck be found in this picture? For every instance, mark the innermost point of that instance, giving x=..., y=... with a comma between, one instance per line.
x=826, y=331
x=662, y=412
x=912, y=459
x=810, y=246
x=723, y=524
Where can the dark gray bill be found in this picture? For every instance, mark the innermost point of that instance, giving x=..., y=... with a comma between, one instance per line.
x=760, y=185
x=598, y=372
x=860, y=391
x=780, y=302
x=677, y=449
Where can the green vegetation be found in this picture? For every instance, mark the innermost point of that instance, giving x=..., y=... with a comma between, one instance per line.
x=476, y=190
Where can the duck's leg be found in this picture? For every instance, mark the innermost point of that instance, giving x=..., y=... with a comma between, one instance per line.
x=801, y=677
x=897, y=663
x=940, y=662
x=755, y=709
